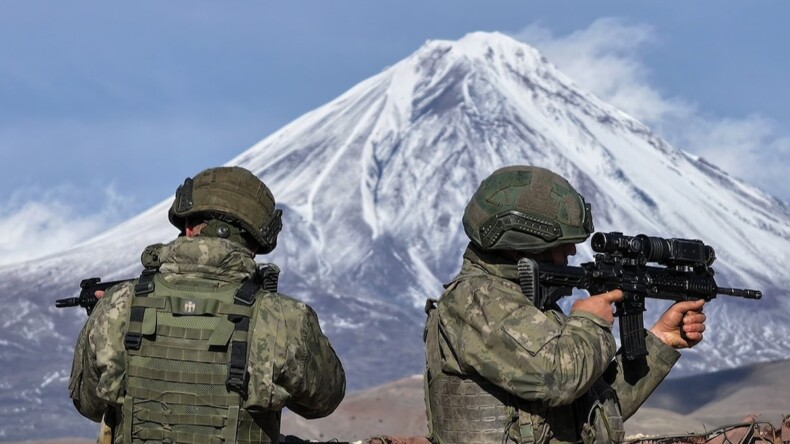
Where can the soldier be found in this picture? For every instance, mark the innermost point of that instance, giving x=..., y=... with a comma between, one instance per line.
x=201, y=348
x=499, y=369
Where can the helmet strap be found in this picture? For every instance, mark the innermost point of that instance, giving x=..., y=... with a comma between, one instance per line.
x=225, y=230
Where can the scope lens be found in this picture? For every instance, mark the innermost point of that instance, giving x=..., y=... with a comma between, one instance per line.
x=609, y=242
x=598, y=242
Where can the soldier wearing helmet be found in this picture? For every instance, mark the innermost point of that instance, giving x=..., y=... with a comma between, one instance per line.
x=501, y=370
x=201, y=347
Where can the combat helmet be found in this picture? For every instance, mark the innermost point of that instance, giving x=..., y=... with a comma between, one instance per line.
x=526, y=208
x=233, y=195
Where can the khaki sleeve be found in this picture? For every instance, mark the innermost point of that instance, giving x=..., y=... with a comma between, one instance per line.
x=84, y=379
x=292, y=363
x=99, y=356
x=494, y=331
x=323, y=383
x=635, y=380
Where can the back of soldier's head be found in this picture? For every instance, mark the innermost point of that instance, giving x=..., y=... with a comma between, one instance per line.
x=233, y=202
x=527, y=209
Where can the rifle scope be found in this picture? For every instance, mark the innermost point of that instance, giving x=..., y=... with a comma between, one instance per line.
x=671, y=252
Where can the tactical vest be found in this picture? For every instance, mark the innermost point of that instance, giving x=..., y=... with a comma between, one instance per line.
x=470, y=410
x=186, y=365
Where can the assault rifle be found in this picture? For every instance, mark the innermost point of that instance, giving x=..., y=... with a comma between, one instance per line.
x=267, y=275
x=87, y=298
x=622, y=262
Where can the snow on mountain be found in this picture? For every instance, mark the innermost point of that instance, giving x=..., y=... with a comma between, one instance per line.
x=373, y=186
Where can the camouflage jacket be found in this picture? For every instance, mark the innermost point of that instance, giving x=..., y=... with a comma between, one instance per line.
x=290, y=361
x=488, y=330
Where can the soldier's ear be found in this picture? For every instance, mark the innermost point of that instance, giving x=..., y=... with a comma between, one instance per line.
x=193, y=228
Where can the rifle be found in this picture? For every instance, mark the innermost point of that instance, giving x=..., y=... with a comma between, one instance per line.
x=267, y=276
x=87, y=298
x=622, y=262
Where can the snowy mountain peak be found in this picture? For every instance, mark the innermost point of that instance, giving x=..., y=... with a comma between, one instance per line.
x=492, y=48
x=451, y=113
x=460, y=68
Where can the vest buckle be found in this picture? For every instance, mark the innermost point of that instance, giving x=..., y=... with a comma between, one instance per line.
x=132, y=341
x=237, y=380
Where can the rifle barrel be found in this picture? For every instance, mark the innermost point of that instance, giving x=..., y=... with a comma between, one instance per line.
x=741, y=293
x=67, y=302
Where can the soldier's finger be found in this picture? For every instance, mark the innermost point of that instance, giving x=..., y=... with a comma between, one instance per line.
x=613, y=296
x=686, y=306
x=691, y=328
x=694, y=318
x=693, y=338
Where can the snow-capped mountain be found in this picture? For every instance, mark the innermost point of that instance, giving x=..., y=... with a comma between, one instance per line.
x=373, y=186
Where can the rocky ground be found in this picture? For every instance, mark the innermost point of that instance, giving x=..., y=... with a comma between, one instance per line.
x=693, y=404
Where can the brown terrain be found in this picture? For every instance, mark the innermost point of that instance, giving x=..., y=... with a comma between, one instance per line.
x=685, y=405
x=692, y=404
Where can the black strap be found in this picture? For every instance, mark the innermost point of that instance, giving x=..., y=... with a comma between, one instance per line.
x=245, y=295
x=237, y=365
x=144, y=287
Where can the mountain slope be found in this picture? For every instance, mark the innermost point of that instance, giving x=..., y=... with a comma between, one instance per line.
x=373, y=185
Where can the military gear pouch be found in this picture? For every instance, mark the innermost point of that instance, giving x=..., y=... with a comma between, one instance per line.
x=604, y=422
x=222, y=333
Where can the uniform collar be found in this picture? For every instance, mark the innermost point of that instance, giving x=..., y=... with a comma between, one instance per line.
x=207, y=257
x=493, y=264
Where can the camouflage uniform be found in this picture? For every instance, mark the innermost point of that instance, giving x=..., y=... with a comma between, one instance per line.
x=498, y=366
x=289, y=360
x=545, y=364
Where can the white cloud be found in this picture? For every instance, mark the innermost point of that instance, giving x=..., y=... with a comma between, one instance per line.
x=605, y=59
x=63, y=178
x=749, y=148
x=32, y=227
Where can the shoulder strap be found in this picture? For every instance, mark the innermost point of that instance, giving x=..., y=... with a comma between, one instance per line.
x=237, y=366
x=143, y=287
x=266, y=279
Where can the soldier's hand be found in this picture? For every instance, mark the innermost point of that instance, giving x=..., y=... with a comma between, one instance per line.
x=99, y=294
x=681, y=326
x=600, y=305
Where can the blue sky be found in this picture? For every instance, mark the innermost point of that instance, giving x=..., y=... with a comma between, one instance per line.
x=106, y=107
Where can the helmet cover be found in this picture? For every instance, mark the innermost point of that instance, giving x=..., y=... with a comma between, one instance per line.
x=526, y=208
